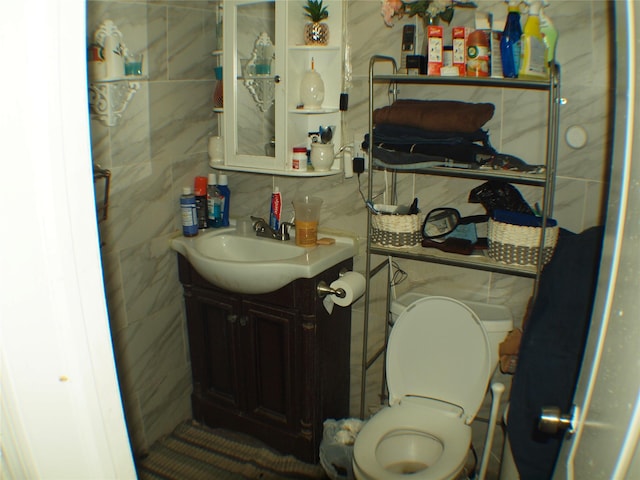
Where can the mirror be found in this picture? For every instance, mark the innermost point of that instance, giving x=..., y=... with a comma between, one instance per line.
x=443, y=222
x=254, y=107
x=257, y=73
x=440, y=222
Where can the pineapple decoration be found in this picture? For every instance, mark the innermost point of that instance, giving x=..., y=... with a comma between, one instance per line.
x=316, y=32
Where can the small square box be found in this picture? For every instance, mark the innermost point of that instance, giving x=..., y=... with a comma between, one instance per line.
x=459, y=40
x=435, y=49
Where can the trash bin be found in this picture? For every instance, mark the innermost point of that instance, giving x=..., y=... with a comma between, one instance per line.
x=336, y=447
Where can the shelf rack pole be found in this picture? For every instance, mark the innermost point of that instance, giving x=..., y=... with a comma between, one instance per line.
x=365, y=334
x=553, y=114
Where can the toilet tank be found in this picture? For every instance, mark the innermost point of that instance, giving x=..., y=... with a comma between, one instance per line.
x=496, y=319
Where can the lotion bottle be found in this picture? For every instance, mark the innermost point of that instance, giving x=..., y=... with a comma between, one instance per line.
x=533, y=54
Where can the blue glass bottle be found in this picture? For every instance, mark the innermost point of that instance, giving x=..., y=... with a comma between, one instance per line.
x=510, y=42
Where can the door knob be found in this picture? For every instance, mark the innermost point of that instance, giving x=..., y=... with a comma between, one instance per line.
x=552, y=420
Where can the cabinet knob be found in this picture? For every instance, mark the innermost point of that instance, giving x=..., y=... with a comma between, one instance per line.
x=276, y=78
x=244, y=320
x=232, y=318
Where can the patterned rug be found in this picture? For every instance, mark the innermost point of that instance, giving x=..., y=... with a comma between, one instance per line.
x=195, y=452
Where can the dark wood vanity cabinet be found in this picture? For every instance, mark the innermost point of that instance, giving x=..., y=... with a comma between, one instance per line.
x=274, y=365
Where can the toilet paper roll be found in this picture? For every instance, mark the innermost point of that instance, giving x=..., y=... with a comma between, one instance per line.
x=353, y=283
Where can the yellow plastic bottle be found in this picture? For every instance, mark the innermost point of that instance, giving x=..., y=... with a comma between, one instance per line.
x=533, y=53
x=549, y=34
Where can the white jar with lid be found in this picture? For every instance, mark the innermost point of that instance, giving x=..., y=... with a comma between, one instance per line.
x=299, y=159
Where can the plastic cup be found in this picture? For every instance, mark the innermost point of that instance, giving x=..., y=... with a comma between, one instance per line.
x=133, y=64
x=307, y=211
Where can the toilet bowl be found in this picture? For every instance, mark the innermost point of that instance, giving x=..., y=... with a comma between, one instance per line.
x=439, y=362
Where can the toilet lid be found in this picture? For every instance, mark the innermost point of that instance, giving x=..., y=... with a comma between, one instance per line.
x=439, y=349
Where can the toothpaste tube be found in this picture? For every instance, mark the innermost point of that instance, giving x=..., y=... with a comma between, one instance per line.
x=276, y=209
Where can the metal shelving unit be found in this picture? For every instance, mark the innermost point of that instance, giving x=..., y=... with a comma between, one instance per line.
x=544, y=180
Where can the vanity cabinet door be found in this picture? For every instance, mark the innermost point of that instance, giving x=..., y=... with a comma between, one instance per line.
x=271, y=353
x=214, y=327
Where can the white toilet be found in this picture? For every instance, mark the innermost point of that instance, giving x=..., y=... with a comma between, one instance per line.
x=440, y=357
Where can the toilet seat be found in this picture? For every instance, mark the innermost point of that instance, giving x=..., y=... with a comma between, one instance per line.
x=414, y=416
x=438, y=367
x=435, y=340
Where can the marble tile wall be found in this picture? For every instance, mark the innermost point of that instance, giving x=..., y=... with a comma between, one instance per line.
x=161, y=145
x=158, y=146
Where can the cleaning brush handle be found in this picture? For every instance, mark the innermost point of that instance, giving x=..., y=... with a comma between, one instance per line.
x=497, y=389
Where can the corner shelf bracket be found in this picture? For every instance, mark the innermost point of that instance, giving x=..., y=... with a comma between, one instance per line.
x=109, y=100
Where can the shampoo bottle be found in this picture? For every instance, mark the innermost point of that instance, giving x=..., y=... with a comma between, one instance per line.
x=276, y=209
x=223, y=188
x=188, y=213
x=510, y=42
x=549, y=34
x=533, y=54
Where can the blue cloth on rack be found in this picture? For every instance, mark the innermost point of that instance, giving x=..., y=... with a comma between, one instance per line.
x=551, y=349
x=404, y=147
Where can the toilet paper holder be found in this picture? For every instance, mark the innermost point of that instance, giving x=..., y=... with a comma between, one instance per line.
x=323, y=289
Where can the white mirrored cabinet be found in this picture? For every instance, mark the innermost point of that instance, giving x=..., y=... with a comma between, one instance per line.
x=266, y=62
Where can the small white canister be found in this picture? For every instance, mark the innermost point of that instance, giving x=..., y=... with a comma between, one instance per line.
x=299, y=159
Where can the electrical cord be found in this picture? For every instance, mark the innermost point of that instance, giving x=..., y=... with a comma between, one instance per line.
x=360, y=190
x=398, y=275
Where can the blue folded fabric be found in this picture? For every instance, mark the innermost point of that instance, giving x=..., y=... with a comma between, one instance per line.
x=522, y=219
x=403, y=135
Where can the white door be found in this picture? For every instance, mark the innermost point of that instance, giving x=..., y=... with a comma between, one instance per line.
x=605, y=443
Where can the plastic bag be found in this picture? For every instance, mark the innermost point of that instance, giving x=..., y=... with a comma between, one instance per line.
x=497, y=195
x=336, y=448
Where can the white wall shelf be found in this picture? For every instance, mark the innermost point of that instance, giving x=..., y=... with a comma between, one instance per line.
x=108, y=99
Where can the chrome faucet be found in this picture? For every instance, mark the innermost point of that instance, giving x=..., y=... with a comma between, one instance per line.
x=263, y=229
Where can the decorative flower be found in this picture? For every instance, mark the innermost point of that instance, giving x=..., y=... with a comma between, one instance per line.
x=425, y=9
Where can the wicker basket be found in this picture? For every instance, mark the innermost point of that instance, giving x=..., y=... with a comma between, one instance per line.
x=396, y=230
x=519, y=244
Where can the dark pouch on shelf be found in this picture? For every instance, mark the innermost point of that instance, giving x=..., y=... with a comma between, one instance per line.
x=498, y=195
x=451, y=245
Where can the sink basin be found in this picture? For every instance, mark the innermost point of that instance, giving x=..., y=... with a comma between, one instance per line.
x=250, y=264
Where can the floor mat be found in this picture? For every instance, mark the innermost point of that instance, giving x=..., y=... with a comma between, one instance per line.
x=193, y=452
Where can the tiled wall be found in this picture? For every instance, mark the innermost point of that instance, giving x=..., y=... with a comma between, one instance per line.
x=160, y=145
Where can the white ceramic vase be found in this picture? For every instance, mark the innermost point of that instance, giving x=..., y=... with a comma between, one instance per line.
x=312, y=90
